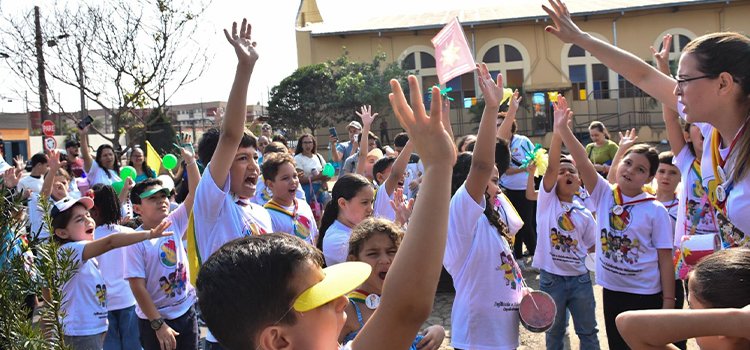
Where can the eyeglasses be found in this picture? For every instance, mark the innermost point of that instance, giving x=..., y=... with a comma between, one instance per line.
x=682, y=82
x=266, y=128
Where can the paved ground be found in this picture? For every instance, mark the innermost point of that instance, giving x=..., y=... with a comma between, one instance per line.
x=441, y=314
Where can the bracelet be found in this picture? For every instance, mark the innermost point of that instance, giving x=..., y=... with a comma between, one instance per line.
x=191, y=163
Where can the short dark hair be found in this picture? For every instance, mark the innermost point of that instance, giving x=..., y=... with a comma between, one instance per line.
x=261, y=270
x=401, y=139
x=139, y=188
x=38, y=158
x=651, y=155
x=272, y=162
x=721, y=279
x=666, y=157
x=382, y=164
x=210, y=139
x=275, y=147
x=502, y=156
x=370, y=227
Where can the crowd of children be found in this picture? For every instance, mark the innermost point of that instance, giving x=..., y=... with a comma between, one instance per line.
x=248, y=242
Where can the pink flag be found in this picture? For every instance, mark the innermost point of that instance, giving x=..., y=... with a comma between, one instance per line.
x=452, y=52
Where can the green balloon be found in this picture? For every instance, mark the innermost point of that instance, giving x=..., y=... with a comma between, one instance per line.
x=118, y=186
x=127, y=172
x=169, y=161
x=328, y=170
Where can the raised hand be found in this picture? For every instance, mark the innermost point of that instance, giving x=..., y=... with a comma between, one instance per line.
x=244, y=47
x=628, y=139
x=514, y=103
x=563, y=114
x=128, y=184
x=159, y=230
x=491, y=91
x=662, y=57
x=402, y=208
x=563, y=27
x=11, y=178
x=365, y=113
x=431, y=140
x=18, y=161
x=54, y=159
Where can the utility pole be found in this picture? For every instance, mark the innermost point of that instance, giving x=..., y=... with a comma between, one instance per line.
x=43, y=109
x=81, y=81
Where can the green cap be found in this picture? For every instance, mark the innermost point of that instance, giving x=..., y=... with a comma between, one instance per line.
x=154, y=190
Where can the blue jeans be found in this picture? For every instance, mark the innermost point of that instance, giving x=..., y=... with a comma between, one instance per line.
x=574, y=295
x=123, y=331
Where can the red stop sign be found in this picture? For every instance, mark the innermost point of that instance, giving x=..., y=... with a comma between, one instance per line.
x=48, y=128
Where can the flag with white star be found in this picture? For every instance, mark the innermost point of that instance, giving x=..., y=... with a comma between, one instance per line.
x=452, y=52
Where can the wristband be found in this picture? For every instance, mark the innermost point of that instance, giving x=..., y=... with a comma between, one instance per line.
x=191, y=163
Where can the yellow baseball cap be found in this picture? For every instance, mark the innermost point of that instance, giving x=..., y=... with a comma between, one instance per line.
x=339, y=280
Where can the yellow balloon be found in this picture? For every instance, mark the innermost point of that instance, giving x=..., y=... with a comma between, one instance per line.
x=553, y=96
x=507, y=94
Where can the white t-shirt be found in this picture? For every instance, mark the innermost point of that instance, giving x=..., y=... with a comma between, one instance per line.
x=486, y=277
x=734, y=226
x=31, y=183
x=508, y=213
x=336, y=243
x=414, y=170
x=382, y=205
x=565, y=231
x=162, y=262
x=695, y=215
x=97, y=175
x=264, y=194
x=519, y=145
x=627, y=260
x=219, y=219
x=85, y=295
x=307, y=164
x=112, y=266
x=282, y=220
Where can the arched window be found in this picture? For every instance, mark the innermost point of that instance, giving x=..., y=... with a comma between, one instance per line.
x=420, y=61
x=588, y=76
x=509, y=57
x=680, y=38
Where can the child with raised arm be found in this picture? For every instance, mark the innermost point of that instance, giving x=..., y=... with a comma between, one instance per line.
x=712, y=90
x=222, y=210
x=290, y=302
x=566, y=233
x=390, y=175
x=634, y=251
x=288, y=213
x=478, y=254
x=85, y=294
x=157, y=269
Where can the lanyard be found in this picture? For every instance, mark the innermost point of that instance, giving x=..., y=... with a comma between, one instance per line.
x=619, y=203
x=273, y=205
x=301, y=229
x=718, y=163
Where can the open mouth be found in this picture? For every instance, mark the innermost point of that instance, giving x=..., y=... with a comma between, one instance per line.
x=568, y=182
x=251, y=180
x=90, y=231
x=381, y=275
x=401, y=183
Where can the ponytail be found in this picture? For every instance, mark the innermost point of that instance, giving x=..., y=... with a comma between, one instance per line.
x=346, y=187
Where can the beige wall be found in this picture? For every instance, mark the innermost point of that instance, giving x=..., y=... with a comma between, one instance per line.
x=636, y=31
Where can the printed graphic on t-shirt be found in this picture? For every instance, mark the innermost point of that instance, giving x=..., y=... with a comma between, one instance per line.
x=252, y=229
x=168, y=254
x=510, y=270
x=101, y=294
x=175, y=283
x=731, y=236
x=302, y=227
x=620, y=248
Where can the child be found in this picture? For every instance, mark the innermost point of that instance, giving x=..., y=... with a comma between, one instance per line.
x=223, y=210
x=157, y=269
x=351, y=202
x=302, y=305
x=54, y=187
x=389, y=174
x=719, y=315
x=566, y=233
x=478, y=255
x=375, y=241
x=85, y=294
x=262, y=193
x=123, y=322
x=711, y=89
x=636, y=271
x=288, y=214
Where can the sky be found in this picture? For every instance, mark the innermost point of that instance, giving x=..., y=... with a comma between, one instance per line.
x=273, y=29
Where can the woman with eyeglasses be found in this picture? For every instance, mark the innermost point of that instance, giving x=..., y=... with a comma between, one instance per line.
x=712, y=90
x=138, y=161
x=311, y=164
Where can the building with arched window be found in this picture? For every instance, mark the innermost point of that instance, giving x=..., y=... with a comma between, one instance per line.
x=510, y=38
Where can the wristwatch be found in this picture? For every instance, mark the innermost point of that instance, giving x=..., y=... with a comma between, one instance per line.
x=157, y=323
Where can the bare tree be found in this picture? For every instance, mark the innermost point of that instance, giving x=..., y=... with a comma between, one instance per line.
x=135, y=54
